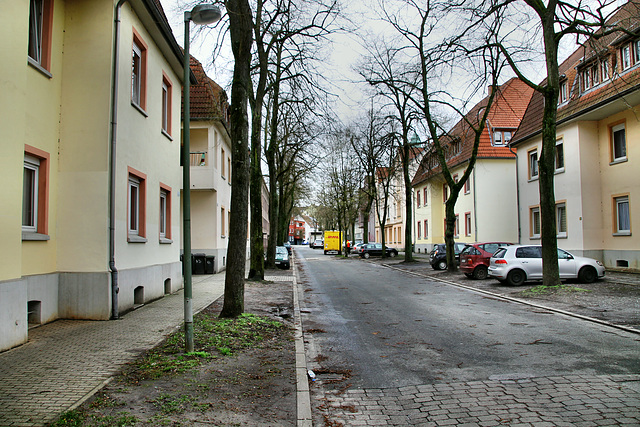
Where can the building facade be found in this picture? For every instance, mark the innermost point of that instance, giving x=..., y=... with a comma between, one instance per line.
x=597, y=151
x=210, y=163
x=90, y=162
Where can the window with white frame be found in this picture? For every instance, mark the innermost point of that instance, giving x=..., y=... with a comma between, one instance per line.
x=136, y=210
x=559, y=156
x=134, y=205
x=604, y=69
x=424, y=196
x=625, y=56
x=426, y=228
x=418, y=199
x=636, y=51
x=467, y=224
x=618, y=143
x=166, y=104
x=30, y=194
x=561, y=219
x=501, y=137
x=165, y=212
x=534, y=221
x=467, y=185
x=418, y=230
x=622, y=218
x=533, y=164
x=222, y=222
x=138, y=72
x=40, y=30
x=563, y=96
x=222, y=160
x=35, y=194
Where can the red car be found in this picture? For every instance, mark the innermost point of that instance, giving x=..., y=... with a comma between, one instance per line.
x=474, y=258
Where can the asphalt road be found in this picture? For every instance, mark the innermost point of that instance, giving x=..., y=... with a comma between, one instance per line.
x=390, y=329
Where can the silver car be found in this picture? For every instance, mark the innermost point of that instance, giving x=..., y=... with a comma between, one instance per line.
x=518, y=263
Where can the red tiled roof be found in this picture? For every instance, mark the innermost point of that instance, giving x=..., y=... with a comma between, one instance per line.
x=507, y=110
x=208, y=100
x=605, y=48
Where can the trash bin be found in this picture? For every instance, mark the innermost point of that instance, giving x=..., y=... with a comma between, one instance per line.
x=208, y=264
x=198, y=263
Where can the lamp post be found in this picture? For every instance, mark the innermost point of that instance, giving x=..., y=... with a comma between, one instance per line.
x=202, y=14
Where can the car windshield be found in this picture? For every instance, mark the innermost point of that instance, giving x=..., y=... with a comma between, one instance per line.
x=281, y=249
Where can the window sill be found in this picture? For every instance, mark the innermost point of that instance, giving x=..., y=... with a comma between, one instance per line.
x=139, y=108
x=223, y=236
x=622, y=233
x=534, y=237
x=165, y=241
x=561, y=236
x=616, y=161
x=136, y=239
x=557, y=171
x=533, y=179
x=165, y=133
x=31, y=236
x=39, y=67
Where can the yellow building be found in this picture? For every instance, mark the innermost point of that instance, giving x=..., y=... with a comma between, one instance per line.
x=597, y=151
x=90, y=109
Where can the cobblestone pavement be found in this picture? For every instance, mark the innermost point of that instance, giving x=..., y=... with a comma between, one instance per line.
x=541, y=401
x=65, y=361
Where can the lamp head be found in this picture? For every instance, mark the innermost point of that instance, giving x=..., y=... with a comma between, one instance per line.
x=204, y=14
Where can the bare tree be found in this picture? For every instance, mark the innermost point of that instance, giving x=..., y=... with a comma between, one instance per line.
x=240, y=23
x=554, y=21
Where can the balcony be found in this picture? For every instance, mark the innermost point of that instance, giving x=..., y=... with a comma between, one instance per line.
x=204, y=176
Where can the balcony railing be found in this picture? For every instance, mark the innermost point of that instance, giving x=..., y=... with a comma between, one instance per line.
x=198, y=158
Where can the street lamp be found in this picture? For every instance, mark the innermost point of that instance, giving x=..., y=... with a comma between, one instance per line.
x=202, y=14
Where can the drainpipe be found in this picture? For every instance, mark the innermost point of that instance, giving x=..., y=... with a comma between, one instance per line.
x=517, y=192
x=475, y=207
x=112, y=164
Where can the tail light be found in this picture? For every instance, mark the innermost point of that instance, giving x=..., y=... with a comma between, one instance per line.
x=501, y=261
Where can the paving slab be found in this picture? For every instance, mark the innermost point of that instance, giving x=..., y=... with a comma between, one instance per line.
x=66, y=361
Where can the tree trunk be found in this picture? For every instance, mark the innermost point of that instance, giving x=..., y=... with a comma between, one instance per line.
x=240, y=26
x=546, y=165
x=450, y=206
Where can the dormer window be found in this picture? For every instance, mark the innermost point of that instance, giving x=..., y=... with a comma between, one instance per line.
x=625, y=56
x=604, y=69
x=501, y=137
x=563, y=96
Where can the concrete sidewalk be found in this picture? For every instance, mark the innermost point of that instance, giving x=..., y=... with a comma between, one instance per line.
x=64, y=362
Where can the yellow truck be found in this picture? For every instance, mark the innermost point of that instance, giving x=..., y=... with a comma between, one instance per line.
x=332, y=242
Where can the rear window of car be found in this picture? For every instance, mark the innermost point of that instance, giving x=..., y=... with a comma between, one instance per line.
x=500, y=253
x=529, y=252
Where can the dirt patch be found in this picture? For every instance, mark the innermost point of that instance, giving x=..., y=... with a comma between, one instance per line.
x=247, y=380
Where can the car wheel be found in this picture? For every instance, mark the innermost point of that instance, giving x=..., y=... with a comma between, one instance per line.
x=480, y=273
x=587, y=275
x=366, y=255
x=442, y=265
x=325, y=252
x=516, y=277
x=393, y=254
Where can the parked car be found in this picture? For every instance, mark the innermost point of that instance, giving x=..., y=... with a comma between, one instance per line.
x=282, y=257
x=288, y=246
x=317, y=244
x=375, y=249
x=438, y=255
x=519, y=263
x=357, y=248
x=474, y=258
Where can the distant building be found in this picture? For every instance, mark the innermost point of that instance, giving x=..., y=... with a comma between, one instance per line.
x=492, y=183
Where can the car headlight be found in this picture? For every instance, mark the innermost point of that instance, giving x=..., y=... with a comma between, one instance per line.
x=599, y=263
